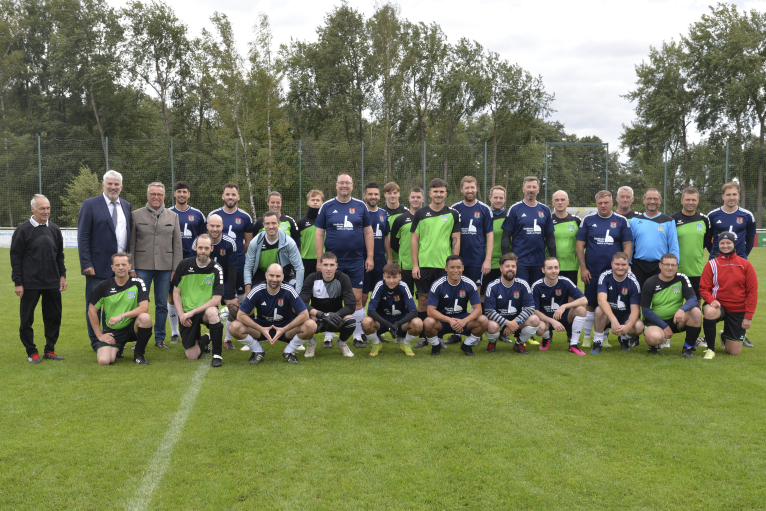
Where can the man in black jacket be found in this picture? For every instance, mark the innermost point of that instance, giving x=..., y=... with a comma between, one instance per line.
x=329, y=297
x=37, y=269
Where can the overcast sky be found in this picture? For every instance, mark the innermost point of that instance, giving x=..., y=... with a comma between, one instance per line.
x=585, y=51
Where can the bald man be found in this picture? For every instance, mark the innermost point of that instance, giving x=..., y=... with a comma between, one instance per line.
x=565, y=227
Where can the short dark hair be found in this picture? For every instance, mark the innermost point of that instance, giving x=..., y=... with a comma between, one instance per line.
x=690, y=191
x=371, y=184
x=182, y=185
x=272, y=194
x=270, y=213
x=550, y=258
x=437, y=183
x=121, y=254
x=392, y=269
x=652, y=190
x=510, y=256
x=453, y=257
x=328, y=255
x=668, y=256
x=531, y=178
x=231, y=185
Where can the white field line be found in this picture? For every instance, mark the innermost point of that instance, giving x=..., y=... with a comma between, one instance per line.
x=161, y=459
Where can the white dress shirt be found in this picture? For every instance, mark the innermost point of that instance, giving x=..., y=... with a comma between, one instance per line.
x=121, y=229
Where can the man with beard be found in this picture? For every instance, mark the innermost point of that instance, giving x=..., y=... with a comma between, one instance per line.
x=497, y=205
x=510, y=308
x=476, y=232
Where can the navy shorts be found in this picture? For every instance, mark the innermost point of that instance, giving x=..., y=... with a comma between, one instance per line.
x=622, y=316
x=474, y=273
x=564, y=320
x=530, y=273
x=371, y=278
x=241, y=280
x=492, y=276
x=447, y=329
x=355, y=271
x=273, y=325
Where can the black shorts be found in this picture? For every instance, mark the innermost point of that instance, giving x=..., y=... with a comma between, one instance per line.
x=408, y=280
x=732, y=326
x=571, y=275
x=427, y=278
x=240, y=281
x=474, y=273
x=643, y=270
x=190, y=334
x=121, y=337
x=371, y=278
x=447, y=329
x=492, y=276
x=695, y=282
x=309, y=266
x=673, y=326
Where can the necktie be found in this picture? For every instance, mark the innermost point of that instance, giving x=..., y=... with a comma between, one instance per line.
x=114, y=214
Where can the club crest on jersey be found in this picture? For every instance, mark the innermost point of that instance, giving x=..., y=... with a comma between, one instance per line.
x=677, y=289
x=131, y=295
x=699, y=228
x=624, y=290
x=516, y=295
x=477, y=214
x=280, y=302
x=191, y=218
x=238, y=220
x=444, y=218
x=222, y=252
x=571, y=228
x=351, y=211
x=740, y=219
x=462, y=293
x=558, y=292
x=660, y=228
x=381, y=218
x=209, y=280
x=613, y=225
x=397, y=298
x=541, y=214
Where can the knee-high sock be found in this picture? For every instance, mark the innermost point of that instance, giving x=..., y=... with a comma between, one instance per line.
x=710, y=326
x=251, y=343
x=358, y=316
x=526, y=333
x=216, y=338
x=472, y=340
x=692, y=333
x=173, y=317
x=492, y=338
x=409, y=338
x=228, y=334
x=577, y=326
x=373, y=338
x=142, y=339
x=346, y=329
x=590, y=317
x=294, y=344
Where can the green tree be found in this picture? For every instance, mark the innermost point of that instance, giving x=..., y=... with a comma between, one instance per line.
x=11, y=57
x=83, y=186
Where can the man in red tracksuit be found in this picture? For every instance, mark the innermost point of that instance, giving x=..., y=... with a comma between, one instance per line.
x=729, y=287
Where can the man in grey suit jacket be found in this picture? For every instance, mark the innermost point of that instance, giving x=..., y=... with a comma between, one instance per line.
x=103, y=229
x=156, y=248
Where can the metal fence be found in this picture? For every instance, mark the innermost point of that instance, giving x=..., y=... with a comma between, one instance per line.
x=54, y=167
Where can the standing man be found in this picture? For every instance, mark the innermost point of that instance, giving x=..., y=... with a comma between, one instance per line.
x=37, y=270
x=401, y=236
x=286, y=223
x=393, y=208
x=625, y=201
x=237, y=225
x=269, y=247
x=694, y=237
x=346, y=222
x=600, y=236
x=307, y=230
x=669, y=306
x=125, y=302
x=435, y=236
x=619, y=299
x=565, y=227
x=654, y=234
x=156, y=249
x=497, y=203
x=730, y=289
x=528, y=230
x=192, y=224
x=198, y=288
x=448, y=313
x=476, y=233
x=381, y=252
x=730, y=217
x=103, y=229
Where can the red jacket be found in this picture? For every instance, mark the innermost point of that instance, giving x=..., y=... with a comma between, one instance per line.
x=732, y=281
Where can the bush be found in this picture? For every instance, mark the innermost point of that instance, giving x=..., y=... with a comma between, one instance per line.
x=83, y=186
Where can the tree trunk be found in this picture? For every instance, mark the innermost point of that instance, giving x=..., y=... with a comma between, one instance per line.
x=759, y=190
x=494, y=152
x=7, y=160
x=98, y=121
x=247, y=169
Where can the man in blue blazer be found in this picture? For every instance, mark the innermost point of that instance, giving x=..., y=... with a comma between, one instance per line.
x=103, y=229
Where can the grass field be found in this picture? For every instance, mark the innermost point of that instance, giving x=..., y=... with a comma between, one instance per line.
x=620, y=430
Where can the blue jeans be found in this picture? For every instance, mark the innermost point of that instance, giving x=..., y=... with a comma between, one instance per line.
x=91, y=283
x=161, y=288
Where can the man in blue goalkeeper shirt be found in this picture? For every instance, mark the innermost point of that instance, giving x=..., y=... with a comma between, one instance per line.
x=447, y=305
x=510, y=308
x=554, y=309
x=528, y=230
x=281, y=315
x=730, y=217
x=476, y=232
x=654, y=234
x=619, y=299
x=392, y=309
x=600, y=236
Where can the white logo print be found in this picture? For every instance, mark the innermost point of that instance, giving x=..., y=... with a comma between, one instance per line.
x=277, y=316
x=335, y=211
x=554, y=305
x=535, y=227
x=471, y=228
x=187, y=233
x=231, y=232
x=523, y=215
x=446, y=296
x=378, y=232
x=718, y=222
x=457, y=309
x=347, y=224
x=620, y=303
x=264, y=304
x=511, y=308
x=607, y=238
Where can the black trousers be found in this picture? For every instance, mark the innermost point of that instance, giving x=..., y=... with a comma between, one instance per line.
x=644, y=269
x=51, y=318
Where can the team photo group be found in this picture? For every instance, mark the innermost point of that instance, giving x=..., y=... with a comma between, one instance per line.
x=428, y=275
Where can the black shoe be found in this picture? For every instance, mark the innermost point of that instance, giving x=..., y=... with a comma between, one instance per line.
x=422, y=343
x=256, y=358
x=520, y=349
x=52, y=356
x=633, y=342
x=624, y=343
x=216, y=362
x=359, y=343
x=503, y=338
x=687, y=353
x=380, y=336
x=290, y=357
x=173, y=339
x=746, y=343
x=454, y=339
x=467, y=350
x=490, y=347
x=327, y=344
x=436, y=349
x=140, y=360
x=204, y=343
x=653, y=350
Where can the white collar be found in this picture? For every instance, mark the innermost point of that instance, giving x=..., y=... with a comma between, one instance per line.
x=117, y=202
x=35, y=223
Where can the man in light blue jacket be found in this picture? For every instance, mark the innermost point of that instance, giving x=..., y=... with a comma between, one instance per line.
x=269, y=247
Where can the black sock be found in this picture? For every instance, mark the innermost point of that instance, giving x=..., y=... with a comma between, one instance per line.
x=710, y=332
x=692, y=333
x=142, y=339
x=346, y=329
x=216, y=338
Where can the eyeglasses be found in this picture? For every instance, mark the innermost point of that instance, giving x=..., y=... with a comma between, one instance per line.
x=345, y=183
x=669, y=265
x=156, y=195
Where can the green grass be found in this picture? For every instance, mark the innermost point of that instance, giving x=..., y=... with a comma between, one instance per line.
x=621, y=430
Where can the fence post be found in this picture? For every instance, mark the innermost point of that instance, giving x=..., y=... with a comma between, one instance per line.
x=172, y=169
x=606, y=184
x=424, y=167
x=300, y=181
x=107, y=153
x=485, y=173
x=665, y=186
x=362, y=164
x=546, y=173
x=39, y=166
x=236, y=161
x=726, y=177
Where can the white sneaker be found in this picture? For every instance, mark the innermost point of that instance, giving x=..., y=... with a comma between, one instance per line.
x=701, y=342
x=310, y=348
x=301, y=348
x=244, y=348
x=345, y=351
x=709, y=355
x=664, y=344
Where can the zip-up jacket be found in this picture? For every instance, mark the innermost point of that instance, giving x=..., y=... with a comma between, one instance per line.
x=287, y=253
x=731, y=280
x=654, y=237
